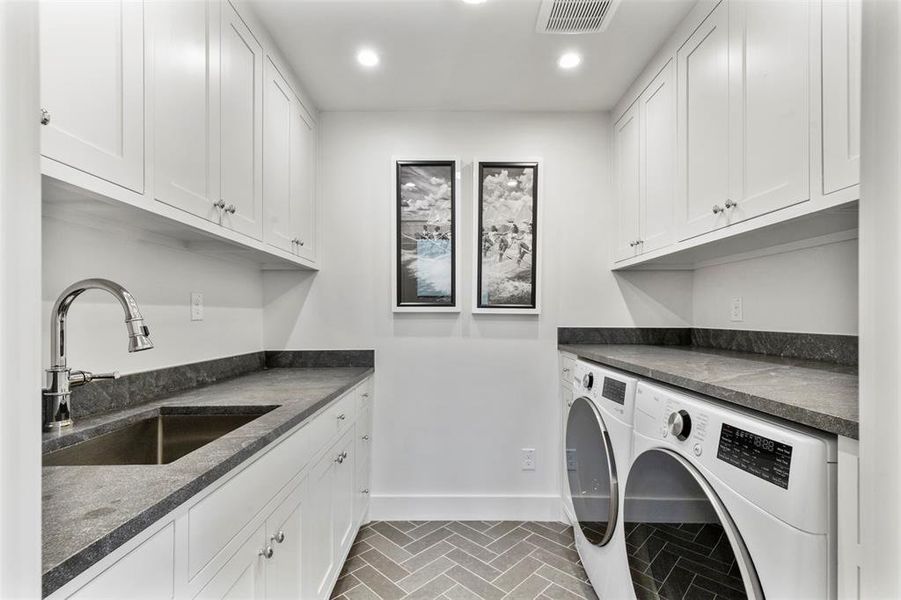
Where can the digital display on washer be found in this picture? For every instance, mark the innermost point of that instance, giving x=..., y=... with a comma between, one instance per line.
x=762, y=457
x=614, y=390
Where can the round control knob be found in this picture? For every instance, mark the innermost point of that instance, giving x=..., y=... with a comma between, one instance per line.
x=588, y=380
x=698, y=450
x=680, y=424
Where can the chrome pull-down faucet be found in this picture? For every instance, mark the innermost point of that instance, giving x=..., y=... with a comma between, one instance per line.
x=60, y=378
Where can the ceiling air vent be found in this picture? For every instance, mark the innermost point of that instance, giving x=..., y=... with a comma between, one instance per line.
x=575, y=16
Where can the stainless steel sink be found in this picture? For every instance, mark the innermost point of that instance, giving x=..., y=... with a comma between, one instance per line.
x=156, y=440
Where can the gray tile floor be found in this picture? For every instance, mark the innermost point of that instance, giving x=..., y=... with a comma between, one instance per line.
x=463, y=560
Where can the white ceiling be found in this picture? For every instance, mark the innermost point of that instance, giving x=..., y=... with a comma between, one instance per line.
x=449, y=55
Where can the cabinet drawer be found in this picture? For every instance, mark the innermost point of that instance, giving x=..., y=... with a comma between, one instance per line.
x=365, y=395
x=364, y=439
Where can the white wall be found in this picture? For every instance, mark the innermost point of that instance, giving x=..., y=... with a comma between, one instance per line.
x=813, y=290
x=161, y=276
x=458, y=396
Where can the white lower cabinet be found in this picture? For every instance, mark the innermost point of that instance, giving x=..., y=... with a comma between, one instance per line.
x=279, y=528
x=242, y=576
x=284, y=531
x=144, y=572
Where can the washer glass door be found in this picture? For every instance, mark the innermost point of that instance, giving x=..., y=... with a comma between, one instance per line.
x=681, y=541
x=591, y=471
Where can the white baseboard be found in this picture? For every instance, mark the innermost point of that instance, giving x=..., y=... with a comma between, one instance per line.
x=465, y=508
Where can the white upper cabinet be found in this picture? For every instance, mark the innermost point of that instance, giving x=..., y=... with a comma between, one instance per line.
x=304, y=145
x=278, y=114
x=92, y=87
x=627, y=159
x=841, y=94
x=658, y=164
x=290, y=150
x=184, y=96
x=702, y=64
x=241, y=137
x=769, y=75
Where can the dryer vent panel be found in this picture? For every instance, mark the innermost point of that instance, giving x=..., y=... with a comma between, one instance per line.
x=575, y=16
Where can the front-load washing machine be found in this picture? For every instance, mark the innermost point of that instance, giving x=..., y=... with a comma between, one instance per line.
x=597, y=449
x=726, y=502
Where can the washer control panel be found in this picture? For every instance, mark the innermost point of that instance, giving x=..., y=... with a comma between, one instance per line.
x=613, y=390
x=755, y=454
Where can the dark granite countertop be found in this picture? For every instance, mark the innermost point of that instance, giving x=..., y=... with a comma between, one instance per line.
x=818, y=394
x=89, y=511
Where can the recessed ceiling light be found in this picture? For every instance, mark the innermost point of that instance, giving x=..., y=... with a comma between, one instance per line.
x=367, y=57
x=570, y=60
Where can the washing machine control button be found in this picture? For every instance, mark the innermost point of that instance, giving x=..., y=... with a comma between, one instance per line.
x=698, y=450
x=588, y=380
x=680, y=424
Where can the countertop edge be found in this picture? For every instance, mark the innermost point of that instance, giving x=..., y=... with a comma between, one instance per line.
x=821, y=421
x=66, y=571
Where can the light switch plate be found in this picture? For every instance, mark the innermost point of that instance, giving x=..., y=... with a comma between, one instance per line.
x=196, y=306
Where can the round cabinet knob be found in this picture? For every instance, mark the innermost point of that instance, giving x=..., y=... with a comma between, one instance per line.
x=45, y=116
x=267, y=552
x=680, y=425
x=295, y=241
x=279, y=537
x=339, y=459
x=364, y=491
x=230, y=209
x=588, y=380
x=717, y=209
x=366, y=438
x=300, y=242
x=570, y=403
x=731, y=204
x=220, y=204
x=342, y=416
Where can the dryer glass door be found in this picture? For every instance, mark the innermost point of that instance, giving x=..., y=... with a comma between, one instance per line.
x=591, y=471
x=681, y=541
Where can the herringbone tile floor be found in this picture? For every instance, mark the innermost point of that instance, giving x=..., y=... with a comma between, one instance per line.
x=463, y=560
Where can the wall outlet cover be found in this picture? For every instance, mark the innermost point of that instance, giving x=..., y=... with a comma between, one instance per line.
x=528, y=459
x=196, y=306
x=736, y=312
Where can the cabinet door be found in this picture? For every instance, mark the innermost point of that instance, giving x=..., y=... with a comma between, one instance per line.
x=241, y=150
x=345, y=493
x=769, y=72
x=278, y=113
x=363, y=463
x=92, y=84
x=317, y=538
x=184, y=76
x=303, y=181
x=702, y=70
x=148, y=572
x=285, y=531
x=841, y=94
x=658, y=164
x=242, y=576
x=627, y=156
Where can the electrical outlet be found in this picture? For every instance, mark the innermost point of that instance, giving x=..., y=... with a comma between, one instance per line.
x=571, y=462
x=528, y=459
x=735, y=310
x=196, y=306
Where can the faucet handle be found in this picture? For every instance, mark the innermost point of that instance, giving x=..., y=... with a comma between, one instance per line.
x=77, y=378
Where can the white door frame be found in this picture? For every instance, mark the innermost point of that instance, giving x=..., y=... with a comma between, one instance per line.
x=20, y=303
